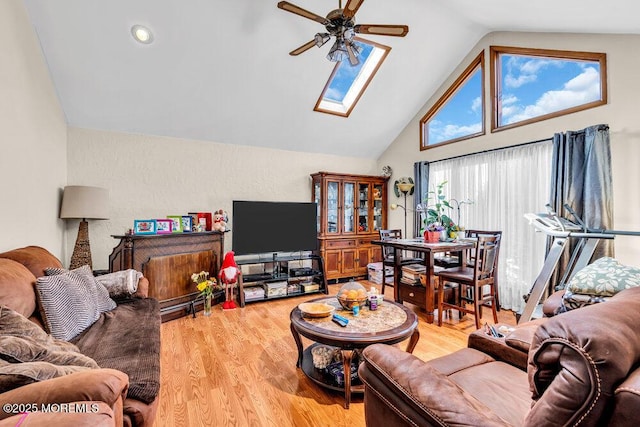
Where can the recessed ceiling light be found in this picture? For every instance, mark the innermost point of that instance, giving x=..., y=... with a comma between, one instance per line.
x=142, y=34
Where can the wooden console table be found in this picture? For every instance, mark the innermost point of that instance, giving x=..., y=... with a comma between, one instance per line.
x=168, y=261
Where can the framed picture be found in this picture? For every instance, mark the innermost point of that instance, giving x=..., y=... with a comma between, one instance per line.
x=202, y=220
x=144, y=226
x=187, y=223
x=176, y=225
x=163, y=226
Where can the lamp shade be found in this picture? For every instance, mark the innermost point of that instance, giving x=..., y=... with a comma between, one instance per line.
x=405, y=187
x=79, y=201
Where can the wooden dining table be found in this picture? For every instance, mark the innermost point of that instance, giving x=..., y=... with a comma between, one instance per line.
x=423, y=297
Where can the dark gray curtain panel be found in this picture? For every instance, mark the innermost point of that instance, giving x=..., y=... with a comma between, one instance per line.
x=421, y=179
x=581, y=178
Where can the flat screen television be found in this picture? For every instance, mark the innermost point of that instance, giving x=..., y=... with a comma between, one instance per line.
x=271, y=227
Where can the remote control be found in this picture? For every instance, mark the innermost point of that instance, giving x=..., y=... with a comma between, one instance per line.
x=342, y=321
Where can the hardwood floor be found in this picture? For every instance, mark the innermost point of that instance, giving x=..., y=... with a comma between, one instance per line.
x=238, y=368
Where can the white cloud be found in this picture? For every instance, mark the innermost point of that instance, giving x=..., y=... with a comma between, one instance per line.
x=521, y=72
x=509, y=99
x=534, y=65
x=476, y=104
x=582, y=89
x=447, y=132
x=515, y=82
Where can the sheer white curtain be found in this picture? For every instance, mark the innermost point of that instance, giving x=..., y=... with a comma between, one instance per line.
x=504, y=185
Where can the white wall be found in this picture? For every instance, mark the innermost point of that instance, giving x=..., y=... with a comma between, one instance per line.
x=152, y=177
x=620, y=113
x=33, y=168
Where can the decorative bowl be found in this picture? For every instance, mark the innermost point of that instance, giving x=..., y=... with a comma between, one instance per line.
x=350, y=294
x=316, y=309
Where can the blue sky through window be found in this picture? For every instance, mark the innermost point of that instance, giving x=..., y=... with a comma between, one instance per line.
x=461, y=115
x=346, y=74
x=535, y=86
x=347, y=83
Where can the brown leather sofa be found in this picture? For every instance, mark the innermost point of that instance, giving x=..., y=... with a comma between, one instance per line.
x=128, y=369
x=583, y=368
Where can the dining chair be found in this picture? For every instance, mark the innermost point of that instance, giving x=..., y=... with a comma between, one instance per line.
x=472, y=281
x=388, y=254
x=472, y=234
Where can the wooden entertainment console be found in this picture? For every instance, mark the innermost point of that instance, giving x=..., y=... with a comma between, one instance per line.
x=168, y=261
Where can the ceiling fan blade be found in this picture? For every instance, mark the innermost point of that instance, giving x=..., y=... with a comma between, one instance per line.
x=353, y=58
x=285, y=5
x=303, y=48
x=351, y=8
x=382, y=30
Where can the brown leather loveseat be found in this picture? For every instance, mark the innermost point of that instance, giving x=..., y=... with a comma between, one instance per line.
x=583, y=368
x=123, y=342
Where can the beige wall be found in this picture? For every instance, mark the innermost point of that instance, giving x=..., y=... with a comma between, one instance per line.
x=621, y=114
x=152, y=177
x=33, y=167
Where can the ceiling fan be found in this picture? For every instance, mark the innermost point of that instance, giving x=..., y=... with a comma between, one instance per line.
x=340, y=23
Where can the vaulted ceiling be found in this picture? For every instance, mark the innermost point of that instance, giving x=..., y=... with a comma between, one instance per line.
x=219, y=70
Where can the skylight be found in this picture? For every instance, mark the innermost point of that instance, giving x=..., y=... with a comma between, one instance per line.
x=347, y=83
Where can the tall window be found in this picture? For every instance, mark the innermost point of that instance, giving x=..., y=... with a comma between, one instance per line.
x=503, y=185
x=459, y=113
x=529, y=85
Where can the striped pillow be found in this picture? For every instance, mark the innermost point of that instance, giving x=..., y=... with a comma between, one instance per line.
x=103, y=300
x=68, y=303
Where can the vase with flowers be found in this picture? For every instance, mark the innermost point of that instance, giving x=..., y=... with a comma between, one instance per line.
x=206, y=286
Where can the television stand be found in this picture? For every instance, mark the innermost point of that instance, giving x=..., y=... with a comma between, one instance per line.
x=292, y=275
x=257, y=277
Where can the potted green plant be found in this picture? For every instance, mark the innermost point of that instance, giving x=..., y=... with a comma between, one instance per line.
x=437, y=218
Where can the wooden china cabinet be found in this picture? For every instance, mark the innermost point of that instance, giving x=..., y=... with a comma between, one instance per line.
x=351, y=211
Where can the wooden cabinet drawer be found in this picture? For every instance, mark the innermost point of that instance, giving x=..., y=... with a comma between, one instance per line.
x=335, y=244
x=413, y=294
x=366, y=241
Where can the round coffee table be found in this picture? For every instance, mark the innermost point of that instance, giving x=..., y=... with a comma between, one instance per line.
x=391, y=323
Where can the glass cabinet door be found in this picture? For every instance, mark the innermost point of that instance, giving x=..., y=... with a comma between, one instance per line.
x=363, y=208
x=332, y=206
x=377, y=207
x=349, y=208
x=317, y=193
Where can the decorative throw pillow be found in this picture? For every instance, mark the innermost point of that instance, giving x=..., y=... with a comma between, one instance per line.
x=14, y=323
x=14, y=375
x=68, y=304
x=15, y=349
x=120, y=283
x=103, y=300
x=597, y=282
x=28, y=354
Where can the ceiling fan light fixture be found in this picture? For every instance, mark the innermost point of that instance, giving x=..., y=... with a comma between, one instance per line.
x=355, y=47
x=338, y=52
x=348, y=34
x=321, y=39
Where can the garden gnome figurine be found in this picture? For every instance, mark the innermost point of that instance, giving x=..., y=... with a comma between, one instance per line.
x=229, y=273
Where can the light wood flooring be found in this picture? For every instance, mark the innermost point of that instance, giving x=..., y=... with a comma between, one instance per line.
x=238, y=368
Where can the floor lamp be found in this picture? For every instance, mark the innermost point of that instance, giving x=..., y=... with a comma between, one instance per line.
x=82, y=202
x=405, y=188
